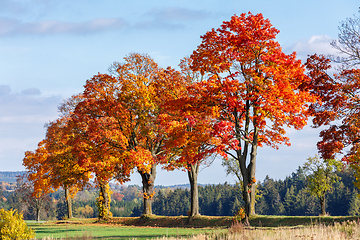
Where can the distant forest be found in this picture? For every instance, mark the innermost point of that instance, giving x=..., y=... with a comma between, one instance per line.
x=10, y=176
x=275, y=197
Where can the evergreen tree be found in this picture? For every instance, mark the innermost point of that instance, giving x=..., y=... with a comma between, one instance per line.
x=290, y=201
x=159, y=204
x=61, y=209
x=278, y=206
x=235, y=206
x=271, y=195
x=261, y=207
x=297, y=179
x=306, y=204
x=339, y=199
x=354, y=205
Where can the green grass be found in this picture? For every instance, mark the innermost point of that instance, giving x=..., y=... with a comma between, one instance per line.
x=106, y=231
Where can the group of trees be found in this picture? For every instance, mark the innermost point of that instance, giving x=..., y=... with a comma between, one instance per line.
x=293, y=197
x=238, y=91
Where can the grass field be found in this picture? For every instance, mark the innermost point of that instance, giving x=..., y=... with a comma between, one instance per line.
x=203, y=227
x=113, y=232
x=115, y=229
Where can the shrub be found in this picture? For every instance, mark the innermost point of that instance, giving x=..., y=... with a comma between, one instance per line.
x=13, y=226
x=240, y=214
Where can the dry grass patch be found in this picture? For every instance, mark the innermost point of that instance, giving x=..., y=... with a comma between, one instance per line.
x=338, y=231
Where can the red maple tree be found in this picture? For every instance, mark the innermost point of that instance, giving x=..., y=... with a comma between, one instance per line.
x=251, y=92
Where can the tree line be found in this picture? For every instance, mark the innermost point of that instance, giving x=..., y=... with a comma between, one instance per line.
x=290, y=196
x=9, y=177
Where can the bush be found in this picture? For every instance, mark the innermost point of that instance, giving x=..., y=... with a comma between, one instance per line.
x=13, y=226
x=240, y=215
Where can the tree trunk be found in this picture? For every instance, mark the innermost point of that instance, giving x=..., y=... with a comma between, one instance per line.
x=248, y=173
x=148, y=181
x=322, y=205
x=68, y=203
x=193, y=171
x=37, y=210
x=252, y=180
x=104, y=201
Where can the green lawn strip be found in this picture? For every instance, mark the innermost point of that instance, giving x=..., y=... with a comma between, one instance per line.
x=112, y=231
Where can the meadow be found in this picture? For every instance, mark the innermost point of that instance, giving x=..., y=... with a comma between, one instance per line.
x=203, y=227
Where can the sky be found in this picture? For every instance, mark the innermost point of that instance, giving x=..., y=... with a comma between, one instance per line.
x=49, y=48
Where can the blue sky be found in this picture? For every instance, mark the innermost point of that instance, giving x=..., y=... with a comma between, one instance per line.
x=49, y=48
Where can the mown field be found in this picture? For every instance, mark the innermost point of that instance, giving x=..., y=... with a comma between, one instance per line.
x=129, y=228
x=203, y=227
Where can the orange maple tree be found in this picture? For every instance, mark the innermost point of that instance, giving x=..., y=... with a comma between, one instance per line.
x=189, y=134
x=118, y=122
x=95, y=153
x=251, y=92
x=53, y=166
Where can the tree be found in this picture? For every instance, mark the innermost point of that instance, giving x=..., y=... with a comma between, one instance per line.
x=320, y=177
x=118, y=122
x=354, y=204
x=61, y=209
x=290, y=201
x=34, y=202
x=160, y=203
x=104, y=200
x=270, y=194
x=232, y=167
x=53, y=165
x=189, y=134
x=65, y=171
x=348, y=42
x=338, y=108
x=251, y=91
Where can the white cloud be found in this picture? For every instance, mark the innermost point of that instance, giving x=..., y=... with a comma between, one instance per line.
x=29, y=106
x=157, y=18
x=22, y=123
x=16, y=27
x=316, y=44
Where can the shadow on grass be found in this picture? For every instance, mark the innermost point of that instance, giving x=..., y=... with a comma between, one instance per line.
x=52, y=231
